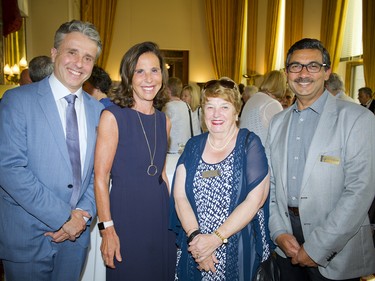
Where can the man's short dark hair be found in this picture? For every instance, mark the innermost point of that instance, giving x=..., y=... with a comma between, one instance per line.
x=309, y=43
x=40, y=67
x=100, y=79
x=366, y=90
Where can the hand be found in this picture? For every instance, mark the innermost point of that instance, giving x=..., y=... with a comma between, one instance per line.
x=208, y=264
x=303, y=259
x=72, y=229
x=110, y=246
x=288, y=243
x=203, y=246
x=59, y=236
x=77, y=224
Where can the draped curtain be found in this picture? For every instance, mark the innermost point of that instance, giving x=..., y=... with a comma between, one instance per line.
x=252, y=20
x=225, y=22
x=333, y=27
x=101, y=14
x=272, y=34
x=293, y=23
x=368, y=20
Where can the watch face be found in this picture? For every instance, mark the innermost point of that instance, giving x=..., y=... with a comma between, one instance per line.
x=101, y=226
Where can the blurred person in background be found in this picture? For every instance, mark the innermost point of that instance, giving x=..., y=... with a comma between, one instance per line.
x=98, y=85
x=179, y=113
x=40, y=67
x=335, y=86
x=190, y=94
x=263, y=105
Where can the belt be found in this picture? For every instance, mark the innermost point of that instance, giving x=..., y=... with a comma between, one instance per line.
x=294, y=211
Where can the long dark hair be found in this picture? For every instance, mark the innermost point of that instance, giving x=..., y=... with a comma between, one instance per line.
x=122, y=95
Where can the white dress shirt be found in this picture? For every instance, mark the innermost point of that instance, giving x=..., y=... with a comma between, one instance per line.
x=59, y=92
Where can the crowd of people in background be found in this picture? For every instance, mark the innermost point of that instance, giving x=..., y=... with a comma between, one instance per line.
x=282, y=173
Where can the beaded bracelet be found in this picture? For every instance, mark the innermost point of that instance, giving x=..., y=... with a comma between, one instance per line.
x=193, y=234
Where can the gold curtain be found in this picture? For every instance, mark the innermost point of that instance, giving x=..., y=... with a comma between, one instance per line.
x=225, y=22
x=252, y=19
x=272, y=34
x=333, y=27
x=368, y=20
x=101, y=14
x=293, y=23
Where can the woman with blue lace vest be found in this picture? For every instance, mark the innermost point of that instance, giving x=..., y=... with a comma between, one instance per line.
x=220, y=194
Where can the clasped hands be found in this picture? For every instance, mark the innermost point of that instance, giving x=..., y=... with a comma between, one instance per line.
x=72, y=229
x=202, y=248
x=292, y=249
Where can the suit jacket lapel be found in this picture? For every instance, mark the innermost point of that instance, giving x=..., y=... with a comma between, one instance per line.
x=91, y=120
x=325, y=128
x=282, y=147
x=48, y=105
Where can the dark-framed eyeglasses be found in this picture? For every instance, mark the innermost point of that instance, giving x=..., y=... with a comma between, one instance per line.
x=312, y=67
x=222, y=82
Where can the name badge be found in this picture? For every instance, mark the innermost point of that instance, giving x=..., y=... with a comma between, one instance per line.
x=330, y=159
x=211, y=173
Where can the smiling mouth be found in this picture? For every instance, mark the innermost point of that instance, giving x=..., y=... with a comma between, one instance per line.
x=74, y=72
x=217, y=122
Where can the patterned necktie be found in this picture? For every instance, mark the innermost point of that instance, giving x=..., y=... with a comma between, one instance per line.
x=72, y=141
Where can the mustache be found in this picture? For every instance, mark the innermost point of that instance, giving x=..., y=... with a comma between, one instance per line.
x=303, y=80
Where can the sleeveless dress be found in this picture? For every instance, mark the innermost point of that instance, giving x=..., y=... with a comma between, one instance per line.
x=139, y=202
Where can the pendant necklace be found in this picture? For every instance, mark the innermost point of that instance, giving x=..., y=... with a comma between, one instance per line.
x=152, y=169
x=224, y=146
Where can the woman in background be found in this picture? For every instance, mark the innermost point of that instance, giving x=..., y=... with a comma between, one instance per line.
x=259, y=110
x=190, y=95
x=131, y=150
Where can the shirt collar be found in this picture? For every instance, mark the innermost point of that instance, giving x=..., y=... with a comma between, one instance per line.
x=317, y=106
x=60, y=91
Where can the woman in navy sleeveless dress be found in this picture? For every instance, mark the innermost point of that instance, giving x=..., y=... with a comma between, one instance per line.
x=131, y=148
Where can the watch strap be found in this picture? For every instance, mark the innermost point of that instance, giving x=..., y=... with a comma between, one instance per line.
x=224, y=240
x=105, y=224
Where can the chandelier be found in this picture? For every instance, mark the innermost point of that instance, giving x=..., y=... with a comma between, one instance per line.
x=13, y=73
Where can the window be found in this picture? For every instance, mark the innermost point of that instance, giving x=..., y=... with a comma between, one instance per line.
x=352, y=49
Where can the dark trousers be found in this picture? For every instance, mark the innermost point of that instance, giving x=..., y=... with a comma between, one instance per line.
x=290, y=272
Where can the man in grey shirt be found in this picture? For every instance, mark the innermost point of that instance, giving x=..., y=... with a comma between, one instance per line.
x=322, y=176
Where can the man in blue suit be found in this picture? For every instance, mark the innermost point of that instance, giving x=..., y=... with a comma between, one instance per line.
x=45, y=206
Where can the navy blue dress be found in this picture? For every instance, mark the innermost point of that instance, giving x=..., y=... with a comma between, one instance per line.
x=140, y=202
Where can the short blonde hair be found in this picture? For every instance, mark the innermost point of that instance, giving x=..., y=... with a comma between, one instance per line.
x=224, y=88
x=274, y=83
x=195, y=96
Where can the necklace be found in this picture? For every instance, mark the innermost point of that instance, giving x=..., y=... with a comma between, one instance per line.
x=224, y=146
x=152, y=169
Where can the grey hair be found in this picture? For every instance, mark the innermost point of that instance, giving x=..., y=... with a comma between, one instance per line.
x=40, y=67
x=86, y=28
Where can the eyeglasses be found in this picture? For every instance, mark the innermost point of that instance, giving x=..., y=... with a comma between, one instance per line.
x=312, y=67
x=222, y=82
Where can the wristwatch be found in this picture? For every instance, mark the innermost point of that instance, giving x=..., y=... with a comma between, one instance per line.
x=224, y=240
x=104, y=224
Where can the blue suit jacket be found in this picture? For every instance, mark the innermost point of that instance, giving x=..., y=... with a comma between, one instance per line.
x=35, y=171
